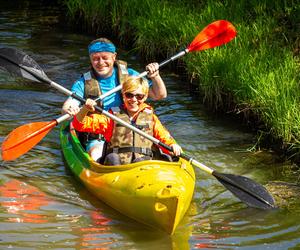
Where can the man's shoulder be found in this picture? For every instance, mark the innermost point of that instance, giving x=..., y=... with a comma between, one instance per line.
x=79, y=80
x=78, y=85
x=132, y=72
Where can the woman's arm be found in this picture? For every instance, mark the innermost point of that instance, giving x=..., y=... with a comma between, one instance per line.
x=94, y=123
x=162, y=134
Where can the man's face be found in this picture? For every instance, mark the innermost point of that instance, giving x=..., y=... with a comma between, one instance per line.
x=103, y=63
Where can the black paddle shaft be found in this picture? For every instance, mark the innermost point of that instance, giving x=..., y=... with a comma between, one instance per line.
x=247, y=190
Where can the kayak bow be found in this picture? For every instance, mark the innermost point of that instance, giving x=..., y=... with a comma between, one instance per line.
x=155, y=193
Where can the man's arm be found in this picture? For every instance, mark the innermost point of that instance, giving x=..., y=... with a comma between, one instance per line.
x=158, y=89
x=71, y=105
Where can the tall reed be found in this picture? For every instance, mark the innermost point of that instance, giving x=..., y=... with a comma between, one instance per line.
x=257, y=72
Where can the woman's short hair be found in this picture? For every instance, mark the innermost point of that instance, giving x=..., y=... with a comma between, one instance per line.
x=132, y=83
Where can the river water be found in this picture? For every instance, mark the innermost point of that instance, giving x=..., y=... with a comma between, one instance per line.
x=43, y=207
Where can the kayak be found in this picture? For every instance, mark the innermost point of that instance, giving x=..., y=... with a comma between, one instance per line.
x=153, y=192
x=156, y=193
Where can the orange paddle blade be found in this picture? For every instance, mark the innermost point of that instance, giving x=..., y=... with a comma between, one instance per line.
x=214, y=34
x=23, y=138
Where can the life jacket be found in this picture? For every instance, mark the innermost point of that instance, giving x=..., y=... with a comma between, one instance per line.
x=93, y=90
x=125, y=142
x=91, y=85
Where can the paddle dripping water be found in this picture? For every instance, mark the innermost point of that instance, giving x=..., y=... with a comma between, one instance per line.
x=73, y=218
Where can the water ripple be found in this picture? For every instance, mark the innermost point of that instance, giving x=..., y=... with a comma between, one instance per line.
x=40, y=196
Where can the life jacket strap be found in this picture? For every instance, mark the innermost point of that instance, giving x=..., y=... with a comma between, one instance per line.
x=144, y=126
x=93, y=136
x=138, y=150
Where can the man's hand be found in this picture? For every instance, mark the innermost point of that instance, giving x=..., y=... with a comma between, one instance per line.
x=152, y=69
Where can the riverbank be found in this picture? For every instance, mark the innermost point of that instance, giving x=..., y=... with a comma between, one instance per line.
x=255, y=77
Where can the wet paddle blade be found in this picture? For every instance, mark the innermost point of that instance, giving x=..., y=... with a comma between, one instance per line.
x=213, y=35
x=248, y=191
x=23, y=138
x=18, y=63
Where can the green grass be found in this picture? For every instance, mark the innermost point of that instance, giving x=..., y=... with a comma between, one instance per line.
x=257, y=72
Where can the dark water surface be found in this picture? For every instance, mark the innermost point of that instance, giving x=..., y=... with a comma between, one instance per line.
x=43, y=207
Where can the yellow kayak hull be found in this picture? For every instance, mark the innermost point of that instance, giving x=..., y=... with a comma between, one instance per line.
x=156, y=193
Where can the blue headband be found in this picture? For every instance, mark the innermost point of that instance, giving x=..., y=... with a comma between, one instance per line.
x=101, y=47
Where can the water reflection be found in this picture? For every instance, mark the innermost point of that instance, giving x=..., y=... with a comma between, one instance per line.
x=23, y=201
x=61, y=214
x=247, y=228
x=97, y=235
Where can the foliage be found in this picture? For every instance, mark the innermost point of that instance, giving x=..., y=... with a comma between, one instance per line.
x=258, y=71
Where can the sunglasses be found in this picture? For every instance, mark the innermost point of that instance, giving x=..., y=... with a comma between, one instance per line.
x=139, y=97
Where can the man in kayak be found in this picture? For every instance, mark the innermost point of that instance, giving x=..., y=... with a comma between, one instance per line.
x=124, y=145
x=106, y=73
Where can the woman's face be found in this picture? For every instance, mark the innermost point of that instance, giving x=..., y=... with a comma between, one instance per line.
x=103, y=63
x=134, y=99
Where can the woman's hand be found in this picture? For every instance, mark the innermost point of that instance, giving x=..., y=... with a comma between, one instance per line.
x=89, y=105
x=177, y=150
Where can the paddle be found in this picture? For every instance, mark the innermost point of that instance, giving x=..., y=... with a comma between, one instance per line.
x=215, y=34
x=248, y=191
x=25, y=137
x=20, y=64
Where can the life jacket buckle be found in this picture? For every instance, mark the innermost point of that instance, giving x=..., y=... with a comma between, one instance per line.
x=115, y=150
x=144, y=151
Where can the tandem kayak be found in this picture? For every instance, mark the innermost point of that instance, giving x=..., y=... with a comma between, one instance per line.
x=156, y=193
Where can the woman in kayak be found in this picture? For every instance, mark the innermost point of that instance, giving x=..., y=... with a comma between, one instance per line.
x=106, y=73
x=124, y=145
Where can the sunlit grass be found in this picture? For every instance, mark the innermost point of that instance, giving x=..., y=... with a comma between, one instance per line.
x=255, y=73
